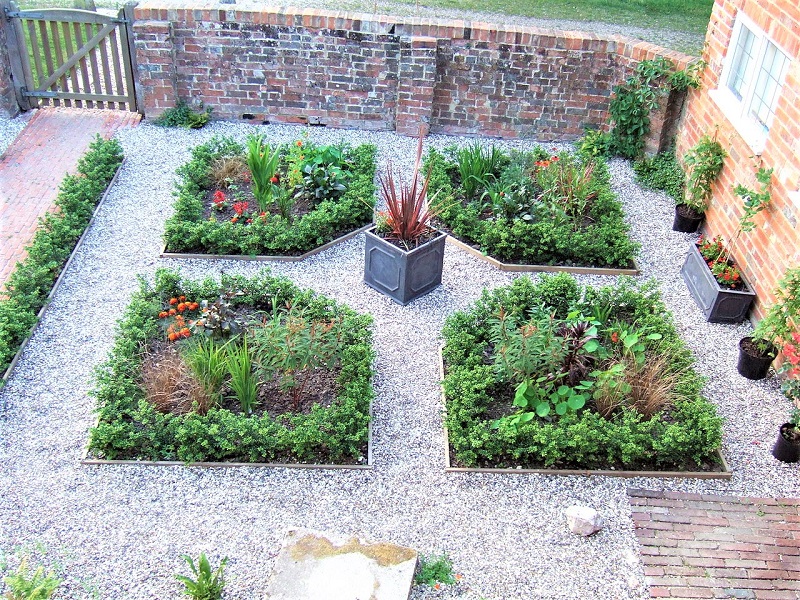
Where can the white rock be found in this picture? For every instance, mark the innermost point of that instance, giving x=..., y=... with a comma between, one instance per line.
x=583, y=520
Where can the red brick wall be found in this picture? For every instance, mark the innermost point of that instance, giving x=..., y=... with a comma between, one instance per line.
x=765, y=253
x=358, y=70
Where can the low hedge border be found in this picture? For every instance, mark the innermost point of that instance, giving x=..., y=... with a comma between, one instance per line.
x=129, y=427
x=187, y=232
x=584, y=440
x=602, y=244
x=35, y=279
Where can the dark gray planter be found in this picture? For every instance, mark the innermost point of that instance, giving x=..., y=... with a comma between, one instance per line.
x=719, y=305
x=403, y=276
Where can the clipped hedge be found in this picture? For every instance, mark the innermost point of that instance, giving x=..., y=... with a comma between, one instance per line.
x=129, y=427
x=188, y=231
x=601, y=241
x=28, y=286
x=685, y=439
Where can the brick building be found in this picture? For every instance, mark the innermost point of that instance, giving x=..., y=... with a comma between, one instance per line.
x=751, y=98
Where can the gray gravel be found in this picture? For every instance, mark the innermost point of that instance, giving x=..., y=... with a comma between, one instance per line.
x=118, y=530
x=10, y=128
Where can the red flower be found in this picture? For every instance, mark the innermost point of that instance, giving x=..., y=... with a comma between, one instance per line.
x=274, y=179
x=614, y=337
x=553, y=158
x=726, y=276
x=299, y=143
x=234, y=219
x=219, y=197
x=239, y=208
x=249, y=221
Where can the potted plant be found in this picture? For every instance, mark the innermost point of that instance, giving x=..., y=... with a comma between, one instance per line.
x=404, y=254
x=713, y=279
x=787, y=446
x=777, y=330
x=703, y=164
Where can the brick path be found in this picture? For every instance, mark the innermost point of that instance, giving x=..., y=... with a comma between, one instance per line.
x=706, y=546
x=34, y=165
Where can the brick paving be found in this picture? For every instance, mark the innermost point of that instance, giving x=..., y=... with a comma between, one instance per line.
x=34, y=165
x=707, y=546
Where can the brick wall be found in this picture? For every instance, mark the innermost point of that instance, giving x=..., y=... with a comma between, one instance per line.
x=8, y=100
x=370, y=71
x=765, y=253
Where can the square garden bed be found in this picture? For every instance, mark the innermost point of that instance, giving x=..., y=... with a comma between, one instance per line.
x=532, y=211
x=283, y=202
x=237, y=371
x=559, y=377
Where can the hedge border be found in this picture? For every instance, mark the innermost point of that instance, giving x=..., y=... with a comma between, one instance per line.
x=62, y=272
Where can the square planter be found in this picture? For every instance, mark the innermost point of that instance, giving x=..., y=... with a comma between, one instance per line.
x=718, y=304
x=401, y=275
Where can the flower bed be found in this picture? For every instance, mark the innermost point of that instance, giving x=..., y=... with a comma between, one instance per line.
x=551, y=375
x=245, y=370
x=532, y=208
x=282, y=201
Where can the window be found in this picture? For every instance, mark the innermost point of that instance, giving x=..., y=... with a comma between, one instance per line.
x=752, y=79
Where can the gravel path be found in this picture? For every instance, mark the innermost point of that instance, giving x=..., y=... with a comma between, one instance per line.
x=119, y=530
x=10, y=128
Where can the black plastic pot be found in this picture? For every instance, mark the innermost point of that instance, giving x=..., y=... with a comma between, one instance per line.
x=686, y=220
x=752, y=363
x=784, y=449
x=403, y=275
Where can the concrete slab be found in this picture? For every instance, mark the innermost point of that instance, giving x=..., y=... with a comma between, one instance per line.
x=313, y=566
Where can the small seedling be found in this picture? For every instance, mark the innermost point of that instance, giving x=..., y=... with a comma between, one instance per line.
x=433, y=570
x=23, y=585
x=207, y=585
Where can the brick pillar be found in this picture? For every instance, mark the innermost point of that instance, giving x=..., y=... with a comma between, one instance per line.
x=416, y=80
x=664, y=122
x=155, y=60
x=8, y=98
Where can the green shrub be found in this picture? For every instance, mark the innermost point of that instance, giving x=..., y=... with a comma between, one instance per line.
x=33, y=278
x=188, y=231
x=662, y=172
x=625, y=319
x=182, y=115
x=207, y=584
x=130, y=427
x=590, y=230
x=434, y=569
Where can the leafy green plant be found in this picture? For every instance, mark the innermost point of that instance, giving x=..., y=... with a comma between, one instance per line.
x=218, y=319
x=781, y=323
x=263, y=163
x=477, y=166
x=207, y=584
x=294, y=346
x=753, y=202
x=662, y=172
x=243, y=381
x=58, y=231
x=595, y=144
x=182, y=115
x=567, y=185
x=24, y=585
x=208, y=360
x=323, y=173
x=704, y=162
x=434, y=569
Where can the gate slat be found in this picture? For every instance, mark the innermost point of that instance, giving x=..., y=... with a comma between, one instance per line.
x=125, y=46
x=108, y=87
x=58, y=44
x=70, y=50
x=80, y=54
x=80, y=62
x=33, y=40
x=97, y=84
x=115, y=59
x=48, y=55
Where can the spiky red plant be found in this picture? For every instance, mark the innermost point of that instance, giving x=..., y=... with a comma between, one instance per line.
x=408, y=210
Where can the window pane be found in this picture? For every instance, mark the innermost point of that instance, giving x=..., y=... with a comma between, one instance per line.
x=742, y=58
x=768, y=85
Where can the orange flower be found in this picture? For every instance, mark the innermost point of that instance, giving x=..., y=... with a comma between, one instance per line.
x=614, y=337
x=173, y=301
x=162, y=314
x=194, y=306
x=182, y=298
x=181, y=307
x=185, y=332
x=172, y=336
x=299, y=144
x=172, y=312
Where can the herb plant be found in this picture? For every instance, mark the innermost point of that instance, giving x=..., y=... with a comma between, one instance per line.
x=433, y=570
x=704, y=163
x=182, y=115
x=781, y=323
x=207, y=584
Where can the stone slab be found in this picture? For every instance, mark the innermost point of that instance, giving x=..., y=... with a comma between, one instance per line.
x=313, y=565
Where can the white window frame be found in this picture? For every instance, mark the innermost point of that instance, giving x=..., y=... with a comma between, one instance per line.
x=738, y=110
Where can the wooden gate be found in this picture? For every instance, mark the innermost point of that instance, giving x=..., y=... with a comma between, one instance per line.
x=65, y=57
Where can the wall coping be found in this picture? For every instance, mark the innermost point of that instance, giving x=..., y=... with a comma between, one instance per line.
x=248, y=11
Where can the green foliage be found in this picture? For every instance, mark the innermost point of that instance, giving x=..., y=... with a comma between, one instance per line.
x=182, y=115
x=638, y=96
x=263, y=163
x=529, y=227
x=24, y=585
x=754, y=201
x=207, y=584
x=243, y=382
x=325, y=173
x=782, y=320
x=595, y=144
x=129, y=427
x=188, y=231
x=704, y=163
x=434, y=569
x=58, y=232
x=661, y=172
x=208, y=360
x=626, y=321
x=477, y=166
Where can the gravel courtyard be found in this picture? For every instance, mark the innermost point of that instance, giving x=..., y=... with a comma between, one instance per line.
x=118, y=530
